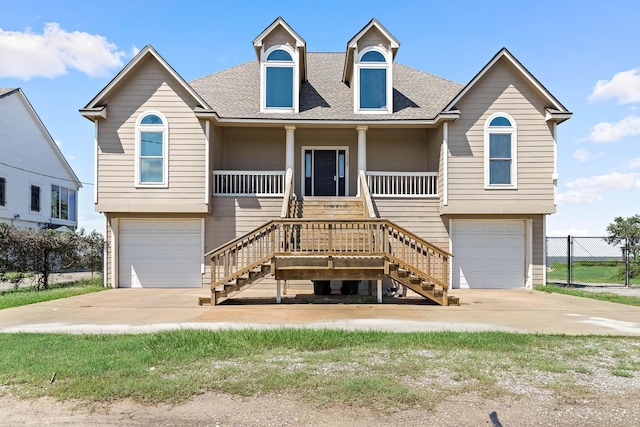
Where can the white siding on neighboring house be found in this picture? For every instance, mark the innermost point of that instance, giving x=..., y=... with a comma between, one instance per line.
x=29, y=157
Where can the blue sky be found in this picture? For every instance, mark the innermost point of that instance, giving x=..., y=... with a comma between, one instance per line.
x=62, y=53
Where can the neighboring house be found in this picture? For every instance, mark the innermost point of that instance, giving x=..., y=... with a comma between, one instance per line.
x=38, y=188
x=183, y=168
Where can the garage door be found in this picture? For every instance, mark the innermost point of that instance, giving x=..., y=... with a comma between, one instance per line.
x=488, y=254
x=160, y=254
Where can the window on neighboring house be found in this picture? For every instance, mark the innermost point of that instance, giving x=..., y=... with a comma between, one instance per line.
x=374, y=83
x=35, y=198
x=3, y=192
x=64, y=203
x=500, y=152
x=151, y=149
x=279, y=82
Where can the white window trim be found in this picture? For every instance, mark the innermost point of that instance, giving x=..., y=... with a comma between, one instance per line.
x=377, y=65
x=165, y=150
x=263, y=79
x=513, y=131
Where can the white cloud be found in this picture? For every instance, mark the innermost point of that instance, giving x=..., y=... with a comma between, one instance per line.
x=634, y=163
x=609, y=132
x=581, y=155
x=26, y=54
x=589, y=190
x=624, y=87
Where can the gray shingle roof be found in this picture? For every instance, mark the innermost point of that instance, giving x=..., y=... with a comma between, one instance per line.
x=235, y=93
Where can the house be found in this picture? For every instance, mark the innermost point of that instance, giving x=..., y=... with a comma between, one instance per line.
x=256, y=166
x=38, y=188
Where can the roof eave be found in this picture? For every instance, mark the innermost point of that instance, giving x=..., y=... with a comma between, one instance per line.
x=94, y=113
x=147, y=50
x=504, y=53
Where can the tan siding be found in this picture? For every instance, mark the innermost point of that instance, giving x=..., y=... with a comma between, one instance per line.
x=235, y=216
x=150, y=87
x=502, y=89
x=109, y=253
x=278, y=37
x=538, y=249
x=217, y=151
x=254, y=149
x=434, y=142
x=373, y=38
x=420, y=216
x=397, y=150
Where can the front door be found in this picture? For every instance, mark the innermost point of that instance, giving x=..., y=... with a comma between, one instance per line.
x=325, y=172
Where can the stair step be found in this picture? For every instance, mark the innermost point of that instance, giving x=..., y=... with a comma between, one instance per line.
x=427, y=287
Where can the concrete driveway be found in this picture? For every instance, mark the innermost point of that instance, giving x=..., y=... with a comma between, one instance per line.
x=147, y=310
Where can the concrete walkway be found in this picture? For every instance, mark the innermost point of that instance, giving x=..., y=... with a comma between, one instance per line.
x=147, y=310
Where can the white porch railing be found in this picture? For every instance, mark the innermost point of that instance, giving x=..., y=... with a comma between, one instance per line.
x=248, y=183
x=403, y=184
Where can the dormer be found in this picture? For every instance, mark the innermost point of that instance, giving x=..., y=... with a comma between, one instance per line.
x=368, y=69
x=283, y=67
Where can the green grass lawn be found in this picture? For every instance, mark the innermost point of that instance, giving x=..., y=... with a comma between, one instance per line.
x=600, y=296
x=590, y=272
x=326, y=367
x=27, y=295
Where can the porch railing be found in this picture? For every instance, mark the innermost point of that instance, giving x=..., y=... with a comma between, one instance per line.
x=248, y=183
x=302, y=237
x=403, y=184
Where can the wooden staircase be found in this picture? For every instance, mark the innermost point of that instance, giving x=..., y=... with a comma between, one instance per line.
x=330, y=249
x=329, y=238
x=420, y=285
x=328, y=208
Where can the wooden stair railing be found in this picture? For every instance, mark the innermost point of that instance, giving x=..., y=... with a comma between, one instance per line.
x=244, y=260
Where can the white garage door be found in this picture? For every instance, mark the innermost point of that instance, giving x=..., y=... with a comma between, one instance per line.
x=160, y=254
x=488, y=254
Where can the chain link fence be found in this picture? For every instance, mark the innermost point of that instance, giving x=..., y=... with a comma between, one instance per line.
x=591, y=261
x=31, y=280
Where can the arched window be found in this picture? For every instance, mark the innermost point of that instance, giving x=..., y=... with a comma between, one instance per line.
x=279, y=80
x=500, y=149
x=374, y=82
x=151, y=149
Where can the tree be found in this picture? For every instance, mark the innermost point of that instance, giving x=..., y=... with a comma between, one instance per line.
x=624, y=229
x=25, y=250
x=627, y=231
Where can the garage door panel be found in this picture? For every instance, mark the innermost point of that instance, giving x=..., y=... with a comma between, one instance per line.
x=160, y=254
x=488, y=254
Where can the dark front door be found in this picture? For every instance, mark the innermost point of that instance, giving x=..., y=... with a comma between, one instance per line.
x=325, y=176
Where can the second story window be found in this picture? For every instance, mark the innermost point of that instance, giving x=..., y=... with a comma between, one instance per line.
x=374, y=86
x=35, y=198
x=279, y=81
x=151, y=150
x=500, y=152
x=3, y=192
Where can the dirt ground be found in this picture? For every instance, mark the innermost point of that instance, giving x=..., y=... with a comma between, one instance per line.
x=211, y=409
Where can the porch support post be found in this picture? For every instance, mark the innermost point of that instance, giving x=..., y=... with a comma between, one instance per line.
x=362, y=148
x=379, y=291
x=289, y=150
x=278, y=292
